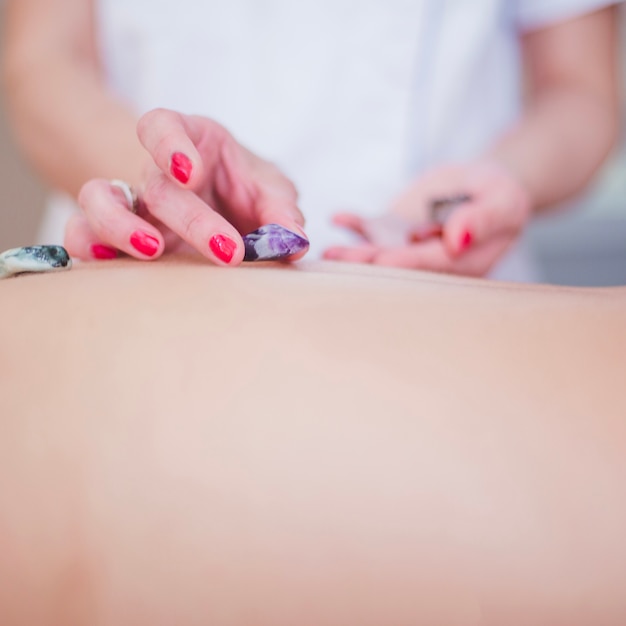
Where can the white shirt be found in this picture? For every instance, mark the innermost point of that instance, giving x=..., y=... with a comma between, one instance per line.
x=350, y=98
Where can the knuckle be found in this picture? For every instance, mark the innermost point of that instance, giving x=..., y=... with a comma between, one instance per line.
x=278, y=184
x=155, y=191
x=290, y=189
x=151, y=117
x=88, y=191
x=143, y=123
x=218, y=133
x=286, y=183
x=299, y=216
x=210, y=129
x=146, y=121
x=192, y=223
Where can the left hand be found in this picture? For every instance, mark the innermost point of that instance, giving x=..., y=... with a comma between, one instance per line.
x=474, y=237
x=200, y=190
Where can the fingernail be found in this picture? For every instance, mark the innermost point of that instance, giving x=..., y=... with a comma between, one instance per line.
x=223, y=247
x=466, y=240
x=144, y=243
x=181, y=167
x=102, y=252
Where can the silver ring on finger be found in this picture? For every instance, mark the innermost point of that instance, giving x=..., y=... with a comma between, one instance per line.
x=130, y=195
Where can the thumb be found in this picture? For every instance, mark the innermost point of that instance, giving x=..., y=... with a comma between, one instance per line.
x=276, y=202
x=481, y=220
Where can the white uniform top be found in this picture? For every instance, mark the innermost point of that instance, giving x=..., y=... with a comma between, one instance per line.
x=350, y=98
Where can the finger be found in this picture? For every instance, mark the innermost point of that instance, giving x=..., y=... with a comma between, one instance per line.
x=433, y=256
x=490, y=215
x=354, y=254
x=278, y=210
x=213, y=160
x=430, y=255
x=105, y=209
x=194, y=221
x=385, y=231
x=82, y=243
x=351, y=221
x=170, y=139
x=424, y=231
x=254, y=192
x=480, y=260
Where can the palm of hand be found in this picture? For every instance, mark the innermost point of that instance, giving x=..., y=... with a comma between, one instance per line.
x=471, y=241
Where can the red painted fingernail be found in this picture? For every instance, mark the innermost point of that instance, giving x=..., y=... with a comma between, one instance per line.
x=181, y=167
x=223, y=247
x=466, y=240
x=105, y=253
x=144, y=243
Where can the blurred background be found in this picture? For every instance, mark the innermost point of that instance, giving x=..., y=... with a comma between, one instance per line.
x=584, y=246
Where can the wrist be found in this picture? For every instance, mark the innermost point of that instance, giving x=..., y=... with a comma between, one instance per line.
x=521, y=186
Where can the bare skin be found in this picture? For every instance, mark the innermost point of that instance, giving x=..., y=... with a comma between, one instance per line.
x=58, y=98
x=309, y=445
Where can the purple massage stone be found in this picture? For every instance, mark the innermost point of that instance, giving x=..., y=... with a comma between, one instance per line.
x=271, y=242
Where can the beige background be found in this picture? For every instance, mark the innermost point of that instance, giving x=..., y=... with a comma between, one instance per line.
x=21, y=195
x=572, y=252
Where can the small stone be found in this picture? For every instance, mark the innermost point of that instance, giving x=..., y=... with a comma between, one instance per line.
x=441, y=208
x=34, y=259
x=272, y=242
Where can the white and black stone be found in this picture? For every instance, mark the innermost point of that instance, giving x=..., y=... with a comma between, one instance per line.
x=272, y=242
x=34, y=259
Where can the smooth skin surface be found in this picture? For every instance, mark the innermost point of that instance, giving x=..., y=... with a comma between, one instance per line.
x=59, y=98
x=309, y=444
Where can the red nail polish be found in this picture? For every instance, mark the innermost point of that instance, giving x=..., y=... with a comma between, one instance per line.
x=181, y=167
x=466, y=240
x=223, y=247
x=102, y=252
x=144, y=243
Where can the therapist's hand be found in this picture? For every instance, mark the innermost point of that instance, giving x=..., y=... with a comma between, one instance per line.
x=474, y=237
x=201, y=190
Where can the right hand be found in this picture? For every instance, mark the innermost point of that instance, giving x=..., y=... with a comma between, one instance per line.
x=201, y=189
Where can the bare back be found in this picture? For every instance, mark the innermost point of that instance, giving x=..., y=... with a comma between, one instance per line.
x=315, y=444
